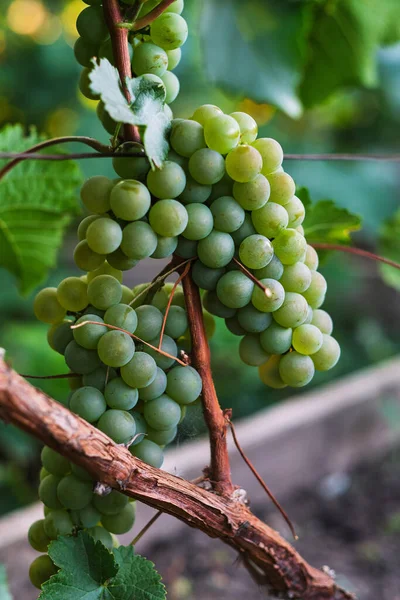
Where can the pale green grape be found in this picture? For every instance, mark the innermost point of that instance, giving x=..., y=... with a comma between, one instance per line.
x=104, y=291
x=88, y=336
x=252, y=195
x=187, y=137
x=177, y=322
x=315, y=293
x=119, y=425
x=309, y=316
x=296, y=278
x=99, y=534
x=206, y=166
x=172, y=86
x=213, y=304
x=116, y=348
x=296, y=369
x=251, y=352
x=135, y=167
x=269, y=373
x=80, y=360
x=276, y=339
x=168, y=217
x=160, y=299
x=244, y=231
x=186, y=248
x=200, y=222
x=47, y=307
x=311, y=259
x=168, y=346
x=272, y=302
x=183, y=384
x=58, y=522
x=296, y=211
x=206, y=112
x=88, y=403
x=156, y=388
x=174, y=58
x=73, y=493
x=138, y=240
x=166, y=246
x=85, y=258
x=270, y=219
x=41, y=569
x=248, y=127
x=88, y=516
x=84, y=85
x=95, y=194
x=150, y=321
x=176, y=7
x=233, y=325
x=205, y=277
x=140, y=371
x=223, y=187
x=123, y=316
x=121, y=522
x=84, y=224
x=162, y=413
x=256, y=251
x=141, y=427
x=253, y=320
x=59, y=336
x=127, y=295
x=194, y=192
x=293, y=311
x=162, y=438
x=105, y=119
x=105, y=269
x=290, y=246
x=112, y=504
x=168, y=182
x=119, y=395
x=169, y=31
x=271, y=153
x=37, y=536
x=106, y=51
x=53, y=462
x=48, y=492
x=322, y=320
x=243, y=163
x=149, y=58
x=104, y=236
x=235, y=289
x=149, y=452
x=91, y=25
x=228, y=214
x=84, y=51
x=72, y=294
x=222, y=133
x=99, y=377
x=328, y=355
x=307, y=339
x=282, y=187
x=130, y=200
x=216, y=250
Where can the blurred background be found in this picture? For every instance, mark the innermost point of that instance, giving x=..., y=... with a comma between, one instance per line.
x=38, y=86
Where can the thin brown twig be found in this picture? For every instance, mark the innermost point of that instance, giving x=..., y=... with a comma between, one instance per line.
x=357, y=252
x=149, y=18
x=70, y=156
x=61, y=376
x=145, y=529
x=170, y=299
x=260, y=479
x=253, y=278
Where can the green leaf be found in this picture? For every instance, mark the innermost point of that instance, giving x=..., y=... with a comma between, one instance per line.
x=389, y=247
x=106, y=82
x=137, y=578
x=4, y=591
x=327, y=222
x=37, y=202
x=256, y=49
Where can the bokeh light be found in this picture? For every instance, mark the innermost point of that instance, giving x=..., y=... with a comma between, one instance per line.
x=26, y=17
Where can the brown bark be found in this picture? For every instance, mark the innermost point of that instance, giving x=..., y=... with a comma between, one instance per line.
x=286, y=572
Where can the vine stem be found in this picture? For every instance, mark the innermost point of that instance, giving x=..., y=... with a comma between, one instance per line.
x=253, y=278
x=149, y=18
x=357, y=252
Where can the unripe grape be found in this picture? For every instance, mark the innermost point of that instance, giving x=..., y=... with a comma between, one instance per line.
x=328, y=355
x=105, y=269
x=149, y=58
x=47, y=307
x=213, y=304
x=206, y=166
x=84, y=224
x=311, y=259
x=84, y=85
x=91, y=25
x=74, y=493
x=315, y=293
x=116, y=348
x=174, y=58
x=269, y=373
x=138, y=240
x=41, y=570
x=84, y=52
x=85, y=258
x=271, y=153
x=140, y=371
x=99, y=377
x=251, y=352
x=169, y=31
x=256, y=251
x=149, y=452
x=58, y=522
x=290, y=246
x=123, y=316
x=48, y=492
x=172, y=86
x=269, y=303
x=80, y=360
x=234, y=289
x=273, y=270
x=104, y=236
x=119, y=425
x=194, y=192
x=136, y=167
x=156, y=388
x=168, y=347
x=119, y=395
x=200, y=222
x=296, y=278
x=183, y=384
x=95, y=194
x=293, y=311
x=216, y=250
x=150, y=321
x=168, y=217
x=187, y=137
x=244, y=231
x=243, y=163
x=276, y=339
x=253, y=320
x=186, y=248
x=130, y=200
x=228, y=214
x=248, y=127
x=205, y=277
x=322, y=320
x=282, y=187
x=120, y=262
x=296, y=369
x=206, y=112
x=296, y=211
x=37, y=536
x=175, y=7
x=168, y=182
x=105, y=119
x=253, y=194
x=307, y=339
x=166, y=246
x=270, y=219
x=222, y=133
x=104, y=291
x=53, y=462
x=112, y=504
x=162, y=413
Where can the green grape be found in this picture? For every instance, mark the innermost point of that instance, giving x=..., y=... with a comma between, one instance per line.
x=47, y=307
x=105, y=269
x=204, y=277
x=166, y=246
x=88, y=336
x=141, y=427
x=307, y=339
x=119, y=425
x=105, y=119
x=85, y=258
x=104, y=236
x=282, y=187
x=91, y=25
x=296, y=369
x=271, y=153
x=84, y=52
x=176, y=7
x=81, y=473
x=122, y=522
x=174, y=58
x=222, y=133
x=162, y=438
x=233, y=325
x=223, y=187
x=169, y=31
x=116, y=348
x=110, y=505
x=252, y=195
x=48, y=492
x=75, y=382
x=135, y=167
x=59, y=336
x=119, y=395
x=251, y=352
x=300, y=229
x=206, y=166
x=177, y=322
x=213, y=304
x=140, y=371
x=106, y=51
x=99, y=377
x=84, y=85
x=168, y=182
x=92, y=2
x=150, y=321
x=88, y=403
x=127, y=295
x=174, y=156
x=58, y=522
x=123, y=316
x=210, y=325
x=200, y=222
x=296, y=278
x=293, y=311
x=290, y=246
x=84, y=224
x=206, y=112
x=216, y=250
x=88, y=516
x=253, y=320
x=104, y=291
x=168, y=217
x=244, y=231
x=74, y=493
x=276, y=339
x=270, y=219
x=130, y=200
x=311, y=259
x=156, y=388
x=149, y=58
x=118, y=260
x=99, y=534
x=138, y=240
x=269, y=373
x=269, y=303
x=256, y=251
x=228, y=214
x=95, y=194
x=37, y=536
x=54, y=463
x=328, y=355
x=194, y=191
x=184, y=384
x=187, y=137
x=309, y=316
x=296, y=211
x=234, y=289
x=169, y=346
x=149, y=452
x=315, y=293
x=72, y=294
x=322, y=320
x=41, y=570
x=171, y=83
x=248, y=127
x=162, y=413
x=186, y=248
x=80, y=360
x=243, y=163
x=160, y=299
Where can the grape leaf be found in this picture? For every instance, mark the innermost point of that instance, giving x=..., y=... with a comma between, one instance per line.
x=137, y=578
x=106, y=83
x=389, y=247
x=327, y=222
x=37, y=201
x=4, y=591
